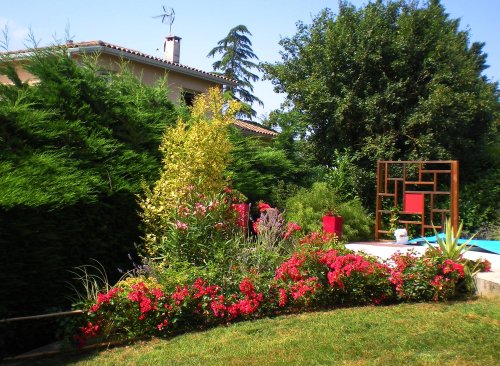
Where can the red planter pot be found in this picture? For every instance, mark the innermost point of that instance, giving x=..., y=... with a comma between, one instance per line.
x=333, y=224
x=243, y=210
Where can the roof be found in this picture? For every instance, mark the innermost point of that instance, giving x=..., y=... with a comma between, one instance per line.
x=255, y=128
x=109, y=48
x=248, y=127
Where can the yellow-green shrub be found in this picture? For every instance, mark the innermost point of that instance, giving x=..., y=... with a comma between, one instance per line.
x=195, y=155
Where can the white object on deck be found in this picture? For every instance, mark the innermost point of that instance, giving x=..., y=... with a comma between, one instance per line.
x=401, y=236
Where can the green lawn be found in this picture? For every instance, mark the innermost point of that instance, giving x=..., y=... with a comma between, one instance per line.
x=459, y=333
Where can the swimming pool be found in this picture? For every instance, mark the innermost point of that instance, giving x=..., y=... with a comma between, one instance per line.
x=489, y=246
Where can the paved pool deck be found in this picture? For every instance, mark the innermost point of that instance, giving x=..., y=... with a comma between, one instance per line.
x=488, y=283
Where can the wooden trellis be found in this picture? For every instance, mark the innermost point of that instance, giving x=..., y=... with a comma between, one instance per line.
x=416, y=193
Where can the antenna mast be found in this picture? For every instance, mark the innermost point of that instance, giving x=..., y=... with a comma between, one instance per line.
x=167, y=17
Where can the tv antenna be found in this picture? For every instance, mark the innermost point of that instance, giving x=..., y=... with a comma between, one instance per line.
x=167, y=17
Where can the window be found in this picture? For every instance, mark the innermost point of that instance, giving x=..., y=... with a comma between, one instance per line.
x=188, y=96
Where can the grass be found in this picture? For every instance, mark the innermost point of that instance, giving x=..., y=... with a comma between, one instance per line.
x=457, y=333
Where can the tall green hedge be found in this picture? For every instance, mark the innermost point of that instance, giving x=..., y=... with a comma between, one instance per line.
x=74, y=149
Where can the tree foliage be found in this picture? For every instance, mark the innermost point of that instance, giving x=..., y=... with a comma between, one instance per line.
x=256, y=166
x=236, y=63
x=75, y=135
x=74, y=148
x=391, y=80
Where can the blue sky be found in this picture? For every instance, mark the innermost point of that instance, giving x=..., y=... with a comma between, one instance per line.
x=201, y=24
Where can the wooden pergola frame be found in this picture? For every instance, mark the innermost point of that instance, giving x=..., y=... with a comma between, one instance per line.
x=416, y=194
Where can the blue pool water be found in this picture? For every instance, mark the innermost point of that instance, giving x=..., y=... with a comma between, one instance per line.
x=492, y=246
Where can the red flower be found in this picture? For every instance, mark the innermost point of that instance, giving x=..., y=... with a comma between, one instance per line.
x=158, y=293
x=202, y=289
x=162, y=325
x=437, y=282
x=263, y=206
x=246, y=287
x=233, y=311
x=449, y=267
x=282, y=297
x=302, y=287
x=218, y=307
x=334, y=279
x=291, y=227
x=290, y=268
x=180, y=294
x=104, y=298
x=486, y=265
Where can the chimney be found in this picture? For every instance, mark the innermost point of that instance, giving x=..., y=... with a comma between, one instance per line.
x=172, y=48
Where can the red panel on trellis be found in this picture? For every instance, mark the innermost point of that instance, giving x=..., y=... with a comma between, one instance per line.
x=413, y=203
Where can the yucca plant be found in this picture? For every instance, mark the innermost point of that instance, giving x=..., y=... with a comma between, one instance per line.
x=448, y=247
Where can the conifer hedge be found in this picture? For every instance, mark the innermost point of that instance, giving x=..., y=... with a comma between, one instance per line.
x=75, y=147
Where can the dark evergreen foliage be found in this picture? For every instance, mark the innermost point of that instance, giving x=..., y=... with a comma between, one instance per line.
x=257, y=166
x=236, y=63
x=75, y=146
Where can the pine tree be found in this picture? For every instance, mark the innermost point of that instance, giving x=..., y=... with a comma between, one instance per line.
x=236, y=63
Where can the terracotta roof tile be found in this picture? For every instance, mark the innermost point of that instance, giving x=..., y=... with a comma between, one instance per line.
x=255, y=127
x=132, y=52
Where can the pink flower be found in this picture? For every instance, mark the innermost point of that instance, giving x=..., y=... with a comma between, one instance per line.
x=201, y=209
x=256, y=226
x=181, y=225
x=291, y=227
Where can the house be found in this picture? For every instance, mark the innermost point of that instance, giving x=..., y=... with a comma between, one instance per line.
x=184, y=82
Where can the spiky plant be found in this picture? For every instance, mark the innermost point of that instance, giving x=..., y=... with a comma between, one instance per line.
x=449, y=246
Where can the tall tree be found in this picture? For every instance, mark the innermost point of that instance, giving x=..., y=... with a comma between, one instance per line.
x=236, y=63
x=391, y=80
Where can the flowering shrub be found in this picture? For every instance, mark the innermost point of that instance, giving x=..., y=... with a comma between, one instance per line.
x=201, y=228
x=138, y=307
x=331, y=277
x=195, y=153
x=271, y=226
x=320, y=273
x=429, y=277
x=274, y=240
